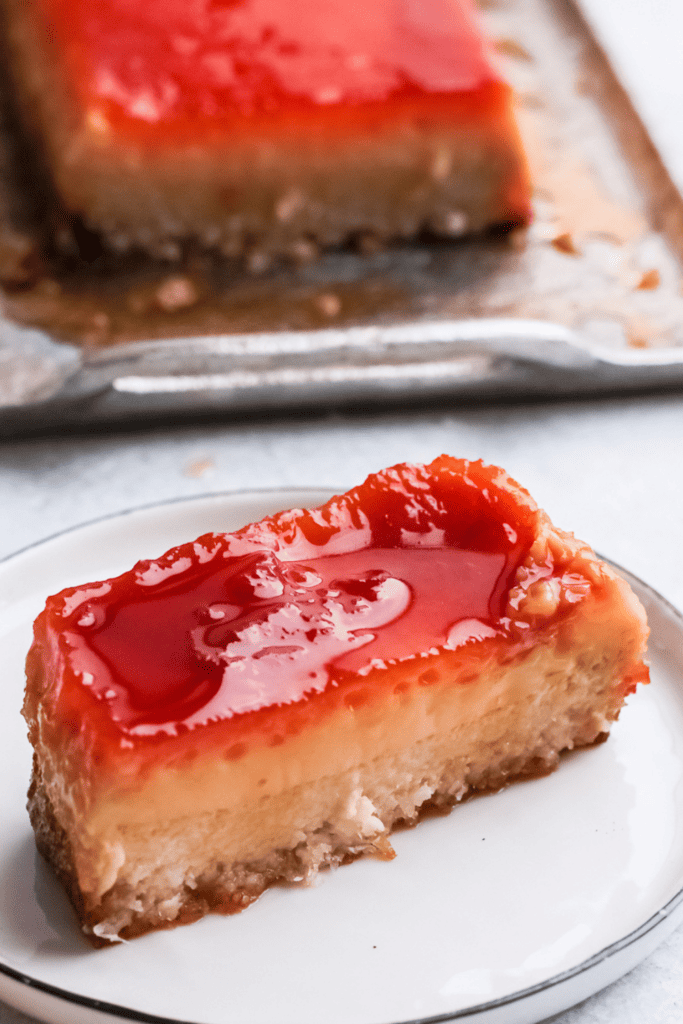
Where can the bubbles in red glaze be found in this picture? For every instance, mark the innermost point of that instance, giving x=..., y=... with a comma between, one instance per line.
x=413, y=561
x=168, y=61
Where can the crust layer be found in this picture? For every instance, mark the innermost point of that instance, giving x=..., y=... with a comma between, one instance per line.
x=231, y=890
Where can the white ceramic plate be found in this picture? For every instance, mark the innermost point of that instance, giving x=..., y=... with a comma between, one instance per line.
x=511, y=909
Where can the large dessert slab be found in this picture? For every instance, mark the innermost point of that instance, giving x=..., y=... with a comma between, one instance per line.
x=255, y=125
x=601, y=261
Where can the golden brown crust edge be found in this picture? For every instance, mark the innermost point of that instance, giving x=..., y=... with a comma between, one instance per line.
x=54, y=845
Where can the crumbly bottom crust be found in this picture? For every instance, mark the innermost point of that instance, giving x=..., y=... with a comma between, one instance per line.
x=125, y=913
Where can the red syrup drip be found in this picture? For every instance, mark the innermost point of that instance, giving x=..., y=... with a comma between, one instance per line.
x=169, y=62
x=414, y=560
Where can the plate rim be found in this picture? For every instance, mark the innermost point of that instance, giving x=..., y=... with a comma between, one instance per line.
x=471, y=1012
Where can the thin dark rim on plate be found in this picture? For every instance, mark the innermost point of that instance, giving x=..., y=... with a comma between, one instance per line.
x=127, y=1013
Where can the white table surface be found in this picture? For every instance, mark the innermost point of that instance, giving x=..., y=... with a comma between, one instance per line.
x=611, y=470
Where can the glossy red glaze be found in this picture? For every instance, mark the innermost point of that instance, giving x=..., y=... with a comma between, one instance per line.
x=293, y=611
x=163, y=68
x=254, y=631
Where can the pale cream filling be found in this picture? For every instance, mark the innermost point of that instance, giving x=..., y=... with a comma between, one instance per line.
x=381, y=727
x=361, y=766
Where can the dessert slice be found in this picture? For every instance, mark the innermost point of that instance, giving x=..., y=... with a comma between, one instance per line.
x=254, y=706
x=262, y=122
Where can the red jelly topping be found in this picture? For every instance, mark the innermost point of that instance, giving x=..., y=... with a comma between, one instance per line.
x=415, y=561
x=257, y=631
x=169, y=65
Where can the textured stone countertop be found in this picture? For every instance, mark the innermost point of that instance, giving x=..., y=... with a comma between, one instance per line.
x=611, y=470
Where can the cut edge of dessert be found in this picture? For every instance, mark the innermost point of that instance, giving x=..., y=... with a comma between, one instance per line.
x=428, y=635
x=150, y=158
